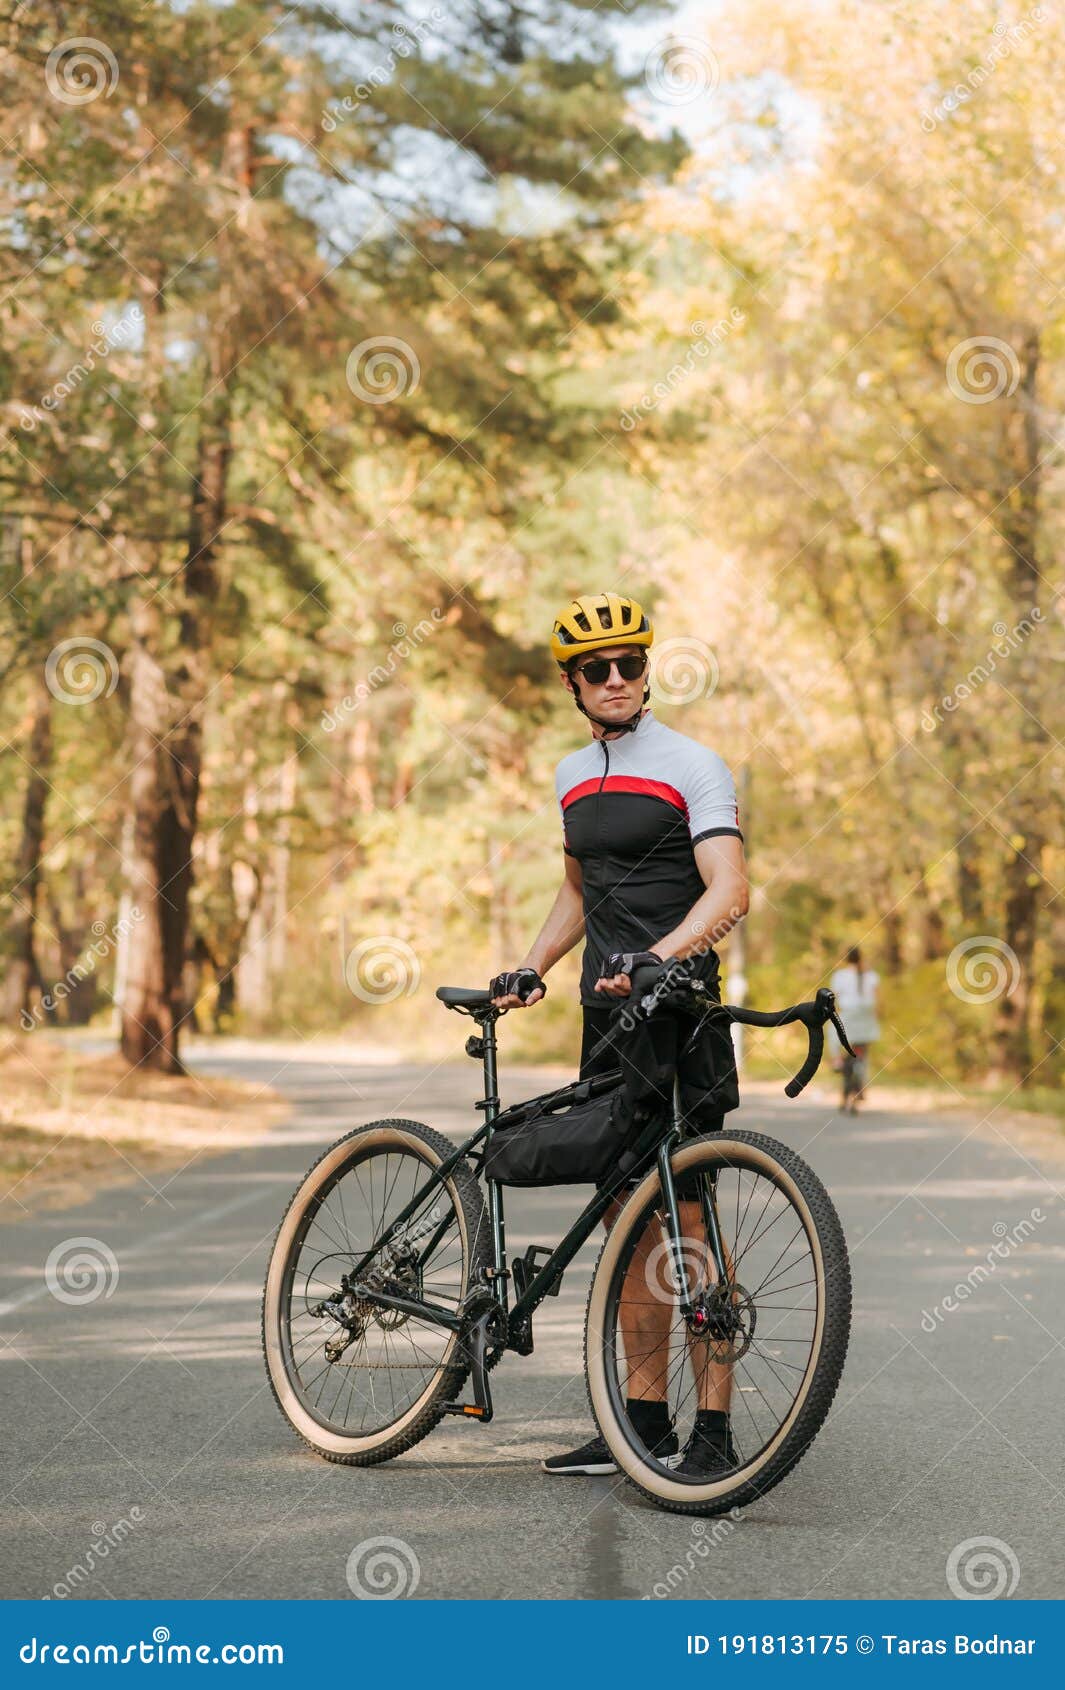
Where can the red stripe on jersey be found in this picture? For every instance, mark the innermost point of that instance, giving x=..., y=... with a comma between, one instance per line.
x=627, y=783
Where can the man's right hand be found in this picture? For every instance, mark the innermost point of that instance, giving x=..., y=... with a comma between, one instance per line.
x=517, y=989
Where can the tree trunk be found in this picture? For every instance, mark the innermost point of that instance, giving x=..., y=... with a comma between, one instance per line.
x=934, y=933
x=125, y=910
x=892, y=953
x=167, y=716
x=151, y=1005
x=362, y=754
x=885, y=772
x=1024, y=881
x=249, y=892
x=287, y=777
x=24, y=978
x=970, y=889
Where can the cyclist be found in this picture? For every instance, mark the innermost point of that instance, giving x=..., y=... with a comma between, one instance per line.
x=856, y=999
x=654, y=872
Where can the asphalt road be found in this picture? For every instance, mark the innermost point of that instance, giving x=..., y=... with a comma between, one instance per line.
x=140, y=1422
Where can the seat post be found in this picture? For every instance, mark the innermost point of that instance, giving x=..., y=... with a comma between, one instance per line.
x=491, y=1095
x=490, y=1105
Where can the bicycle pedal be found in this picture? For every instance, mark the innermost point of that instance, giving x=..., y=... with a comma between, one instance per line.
x=526, y=1267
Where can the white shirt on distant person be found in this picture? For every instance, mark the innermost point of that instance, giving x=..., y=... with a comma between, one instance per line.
x=856, y=1002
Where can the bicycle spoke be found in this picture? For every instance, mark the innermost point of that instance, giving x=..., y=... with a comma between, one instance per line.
x=392, y=1356
x=756, y=1352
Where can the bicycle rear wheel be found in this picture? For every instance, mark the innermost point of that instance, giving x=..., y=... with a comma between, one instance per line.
x=358, y=1382
x=770, y=1343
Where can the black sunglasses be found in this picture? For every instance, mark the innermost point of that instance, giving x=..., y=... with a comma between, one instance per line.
x=630, y=667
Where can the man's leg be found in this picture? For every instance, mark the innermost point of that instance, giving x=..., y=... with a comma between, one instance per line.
x=649, y=1310
x=594, y=1457
x=645, y=1316
x=648, y=1307
x=709, y=1089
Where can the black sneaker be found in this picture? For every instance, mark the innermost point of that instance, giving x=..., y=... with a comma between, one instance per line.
x=594, y=1458
x=707, y=1455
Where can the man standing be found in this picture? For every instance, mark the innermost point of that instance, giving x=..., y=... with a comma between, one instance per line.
x=654, y=872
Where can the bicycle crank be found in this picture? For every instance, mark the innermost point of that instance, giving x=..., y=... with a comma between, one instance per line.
x=486, y=1331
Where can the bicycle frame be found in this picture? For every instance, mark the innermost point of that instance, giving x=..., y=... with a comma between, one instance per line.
x=656, y=1142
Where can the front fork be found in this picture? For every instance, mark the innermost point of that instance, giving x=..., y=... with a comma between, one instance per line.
x=674, y=1236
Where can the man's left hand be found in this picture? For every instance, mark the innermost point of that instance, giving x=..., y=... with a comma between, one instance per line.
x=618, y=967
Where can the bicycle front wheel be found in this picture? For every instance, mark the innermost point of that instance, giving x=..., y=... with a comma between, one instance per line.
x=766, y=1344
x=359, y=1382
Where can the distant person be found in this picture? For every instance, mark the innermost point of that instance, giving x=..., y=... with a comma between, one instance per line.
x=856, y=998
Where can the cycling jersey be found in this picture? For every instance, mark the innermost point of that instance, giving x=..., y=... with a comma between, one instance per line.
x=632, y=810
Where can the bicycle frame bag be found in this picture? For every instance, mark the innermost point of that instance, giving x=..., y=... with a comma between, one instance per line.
x=580, y=1134
x=571, y=1137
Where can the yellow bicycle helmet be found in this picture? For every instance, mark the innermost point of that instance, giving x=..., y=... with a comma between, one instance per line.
x=595, y=620
x=588, y=624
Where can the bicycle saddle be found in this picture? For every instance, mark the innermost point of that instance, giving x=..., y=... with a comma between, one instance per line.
x=464, y=997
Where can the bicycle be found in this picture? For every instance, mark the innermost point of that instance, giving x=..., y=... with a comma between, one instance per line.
x=388, y=1283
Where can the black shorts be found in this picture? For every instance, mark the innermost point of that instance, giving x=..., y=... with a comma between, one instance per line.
x=711, y=1060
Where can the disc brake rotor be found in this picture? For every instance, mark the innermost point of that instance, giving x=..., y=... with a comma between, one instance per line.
x=724, y=1319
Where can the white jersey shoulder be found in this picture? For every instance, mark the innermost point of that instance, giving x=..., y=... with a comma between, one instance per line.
x=576, y=766
x=657, y=753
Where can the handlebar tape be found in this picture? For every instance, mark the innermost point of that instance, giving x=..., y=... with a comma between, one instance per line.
x=810, y=1066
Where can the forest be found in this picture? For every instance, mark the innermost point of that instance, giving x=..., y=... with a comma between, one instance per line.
x=342, y=345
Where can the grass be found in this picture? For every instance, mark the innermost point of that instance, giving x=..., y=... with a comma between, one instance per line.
x=1037, y=1100
x=45, y=1171
x=917, y=1082
x=71, y=1121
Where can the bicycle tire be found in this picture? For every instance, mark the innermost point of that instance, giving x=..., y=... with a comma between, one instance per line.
x=812, y=1405
x=418, y=1421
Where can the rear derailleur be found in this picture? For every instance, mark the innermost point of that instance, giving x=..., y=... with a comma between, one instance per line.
x=399, y=1274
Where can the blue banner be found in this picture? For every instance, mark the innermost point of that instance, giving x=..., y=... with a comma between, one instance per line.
x=539, y=1643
